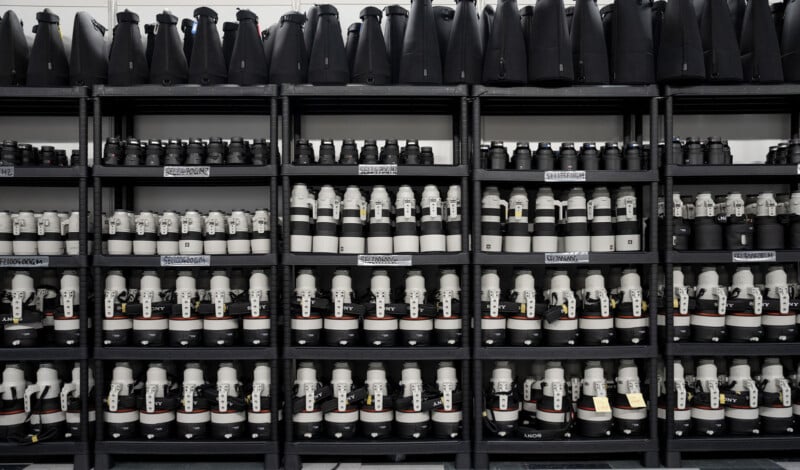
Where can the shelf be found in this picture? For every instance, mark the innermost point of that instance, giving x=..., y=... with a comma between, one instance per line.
x=566, y=447
x=749, y=173
x=421, y=259
x=59, y=174
x=734, y=444
x=568, y=100
x=8, y=449
x=172, y=446
x=420, y=353
x=242, y=353
x=255, y=261
x=433, y=171
x=44, y=353
x=375, y=91
x=41, y=101
x=723, y=257
x=186, y=99
x=520, y=259
x=533, y=176
x=237, y=173
x=375, y=99
x=377, y=447
x=35, y=262
x=741, y=98
x=565, y=352
x=734, y=349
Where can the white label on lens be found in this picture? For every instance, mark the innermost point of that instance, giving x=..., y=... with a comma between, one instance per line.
x=24, y=261
x=187, y=171
x=377, y=170
x=186, y=260
x=8, y=171
x=564, y=176
x=754, y=256
x=567, y=257
x=384, y=260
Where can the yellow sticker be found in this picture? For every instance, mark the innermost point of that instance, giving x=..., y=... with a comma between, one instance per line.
x=613, y=303
x=636, y=400
x=369, y=400
x=523, y=308
x=601, y=404
x=644, y=306
x=721, y=398
x=564, y=308
x=363, y=213
x=675, y=303
x=518, y=212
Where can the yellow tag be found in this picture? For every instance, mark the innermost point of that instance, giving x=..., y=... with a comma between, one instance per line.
x=363, y=212
x=564, y=308
x=523, y=308
x=34, y=439
x=644, y=306
x=675, y=303
x=721, y=398
x=15, y=321
x=518, y=212
x=636, y=400
x=613, y=303
x=601, y=404
x=124, y=308
x=369, y=400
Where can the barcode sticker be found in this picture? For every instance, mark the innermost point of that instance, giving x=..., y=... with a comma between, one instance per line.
x=754, y=256
x=565, y=176
x=186, y=260
x=601, y=404
x=24, y=261
x=567, y=257
x=187, y=171
x=377, y=170
x=384, y=260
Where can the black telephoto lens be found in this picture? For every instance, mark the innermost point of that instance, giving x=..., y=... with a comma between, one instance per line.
x=390, y=153
x=369, y=152
x=633, y=156
x=693, y=152
x=611, y=156
x=522, y=158
x=545, y=158
x=498, y=156
x=567, y=157
x=349, y=153
x=589, y=157
x=327, y=152
x=303, y=153
x=154, y=153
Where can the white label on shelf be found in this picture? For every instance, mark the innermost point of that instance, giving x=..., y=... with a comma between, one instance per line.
x=187, y=171
x=384, y=260
x=570, y=257
x=186, y=260
x=798, y=168
x=753, y=256
x=6, y=171
x=24, y=261
x=377, y=170
x=565, y=176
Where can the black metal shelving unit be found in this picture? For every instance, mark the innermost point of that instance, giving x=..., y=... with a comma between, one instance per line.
x=305, y=100
x=65, y=102
x=632, y=103
x=711, y=100
x=123, y=105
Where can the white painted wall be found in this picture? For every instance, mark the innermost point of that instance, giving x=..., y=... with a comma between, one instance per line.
x=749, y=136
